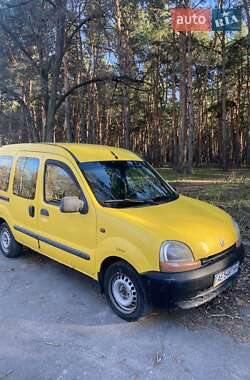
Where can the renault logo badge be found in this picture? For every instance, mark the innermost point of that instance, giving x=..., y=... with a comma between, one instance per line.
x=222, y=243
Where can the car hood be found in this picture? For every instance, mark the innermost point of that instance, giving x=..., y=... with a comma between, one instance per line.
x=206, y=229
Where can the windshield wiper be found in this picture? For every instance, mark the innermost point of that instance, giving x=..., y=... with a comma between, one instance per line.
x=169, y=197
x=131, y=201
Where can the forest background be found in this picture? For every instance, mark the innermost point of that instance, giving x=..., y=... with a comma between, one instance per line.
x=114, y=72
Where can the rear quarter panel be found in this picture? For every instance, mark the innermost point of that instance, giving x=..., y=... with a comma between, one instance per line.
x=5, y=196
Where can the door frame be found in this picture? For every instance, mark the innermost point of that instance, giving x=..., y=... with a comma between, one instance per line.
x=65, y=167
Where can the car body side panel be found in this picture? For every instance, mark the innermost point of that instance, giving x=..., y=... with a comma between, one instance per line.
x=127, y=240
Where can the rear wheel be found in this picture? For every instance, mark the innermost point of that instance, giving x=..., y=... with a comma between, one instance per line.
x=9, y=247
x=125, y=292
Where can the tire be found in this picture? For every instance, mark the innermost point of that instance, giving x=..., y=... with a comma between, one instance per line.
x=9, y=247
x=125, y=292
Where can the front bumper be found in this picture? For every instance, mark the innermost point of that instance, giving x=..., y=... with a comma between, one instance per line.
x=192, y=288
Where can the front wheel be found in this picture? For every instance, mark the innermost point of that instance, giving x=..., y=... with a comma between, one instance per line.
x=125, y=292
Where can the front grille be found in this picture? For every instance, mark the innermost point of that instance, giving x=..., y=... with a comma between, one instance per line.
x=217, y=256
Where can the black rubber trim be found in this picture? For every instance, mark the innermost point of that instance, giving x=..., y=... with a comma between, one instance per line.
x=206, y=295
x=26, y=232
x=53, y=243
x=217, y=257
x=172, y=288
x=3, y=198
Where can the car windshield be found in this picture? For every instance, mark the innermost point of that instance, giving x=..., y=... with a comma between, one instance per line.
x=126, y=184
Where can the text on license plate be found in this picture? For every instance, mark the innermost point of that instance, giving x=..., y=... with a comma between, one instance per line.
x=225, y=274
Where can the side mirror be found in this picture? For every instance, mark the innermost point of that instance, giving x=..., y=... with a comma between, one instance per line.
x=71, y=204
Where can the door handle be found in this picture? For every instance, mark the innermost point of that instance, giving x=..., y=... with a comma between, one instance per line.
x=44, y=212
x=31, y=211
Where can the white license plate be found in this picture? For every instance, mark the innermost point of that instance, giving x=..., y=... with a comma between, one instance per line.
x=225, y=274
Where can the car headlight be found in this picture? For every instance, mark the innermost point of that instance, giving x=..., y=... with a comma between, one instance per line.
x=176, y=256
x=237, y=230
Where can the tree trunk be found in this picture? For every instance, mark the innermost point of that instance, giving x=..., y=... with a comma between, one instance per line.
x=27, y=115
x=81, y=93
x=183, y=104
x=190, y=107
x=60, y=32
x=237, y=145
x=124, y=66
x=44, y=82
x=67, y=124
x=247, y=10
x=174, y=110
x=224, y=130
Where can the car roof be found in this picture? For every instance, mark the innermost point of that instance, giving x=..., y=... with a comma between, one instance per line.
x=80, y=152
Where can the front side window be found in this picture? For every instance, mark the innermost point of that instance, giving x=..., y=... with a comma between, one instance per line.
x=59, y=184
x=5, y=168
x=126, y=183
x=26, y=177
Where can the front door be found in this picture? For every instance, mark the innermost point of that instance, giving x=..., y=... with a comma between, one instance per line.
x=69, y=238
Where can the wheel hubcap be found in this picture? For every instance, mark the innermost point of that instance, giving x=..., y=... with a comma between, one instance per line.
x=5, y=240
x=123, y=293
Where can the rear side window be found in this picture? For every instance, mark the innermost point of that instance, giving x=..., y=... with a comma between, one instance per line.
x=5, y=168
x=59, y=183
x=26, y=177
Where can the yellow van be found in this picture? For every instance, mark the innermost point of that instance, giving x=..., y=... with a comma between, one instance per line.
x=108, y=214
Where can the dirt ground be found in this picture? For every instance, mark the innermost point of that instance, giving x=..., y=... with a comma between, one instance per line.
x=55, y=325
